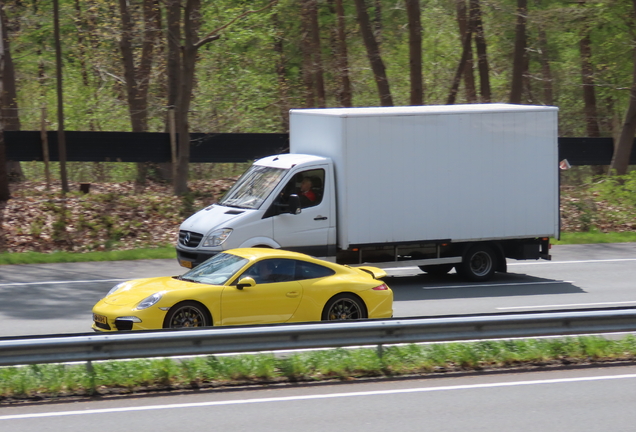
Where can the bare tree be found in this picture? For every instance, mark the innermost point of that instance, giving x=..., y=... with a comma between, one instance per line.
x=281, y=73
x=138, y=78
x=373, y=53
x=465, y=28
x=620, y=159
x=307, y=55
x=4, y=177
x=9, y=99
x=546, y=71
x=414, y=12
x=589, y=94
x=316, y=56
x=519, y=58
x=461, y=67
x=480, y=44
x=343, y=94
x=184, y=55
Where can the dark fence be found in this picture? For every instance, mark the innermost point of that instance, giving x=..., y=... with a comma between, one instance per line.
x=223, y=147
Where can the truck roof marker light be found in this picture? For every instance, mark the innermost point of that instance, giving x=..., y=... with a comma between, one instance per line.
x=355, y=249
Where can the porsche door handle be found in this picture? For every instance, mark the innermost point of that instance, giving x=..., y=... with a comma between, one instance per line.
x=292, y=294
x=320, y=218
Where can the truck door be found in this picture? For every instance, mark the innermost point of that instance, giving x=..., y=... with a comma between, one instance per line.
x=307, y=232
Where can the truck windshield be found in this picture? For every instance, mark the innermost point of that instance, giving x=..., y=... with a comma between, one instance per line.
x=253, y=187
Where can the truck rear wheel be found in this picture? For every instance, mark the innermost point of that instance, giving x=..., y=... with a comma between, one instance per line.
x=478, y=263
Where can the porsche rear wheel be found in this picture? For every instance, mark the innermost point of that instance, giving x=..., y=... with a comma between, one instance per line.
x=344, y=307
x=187, y=314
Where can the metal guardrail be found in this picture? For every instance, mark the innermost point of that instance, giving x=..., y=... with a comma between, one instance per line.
x=84, y=347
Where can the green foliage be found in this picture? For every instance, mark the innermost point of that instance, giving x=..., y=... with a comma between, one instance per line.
x=243, y=84
x=343, y=364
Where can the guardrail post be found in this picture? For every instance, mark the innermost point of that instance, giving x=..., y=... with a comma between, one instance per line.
x=380, y=350
x=92, y=382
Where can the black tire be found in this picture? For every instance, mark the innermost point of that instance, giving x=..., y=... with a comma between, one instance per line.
x=438, y=269
x=187, y=314
x=344, y=307
x=478, y=263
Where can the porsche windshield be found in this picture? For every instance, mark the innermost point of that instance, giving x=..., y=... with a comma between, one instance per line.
x=215, y=271
x=253, y=187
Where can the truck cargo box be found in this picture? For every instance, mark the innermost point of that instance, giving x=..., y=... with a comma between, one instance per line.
x=456, y=172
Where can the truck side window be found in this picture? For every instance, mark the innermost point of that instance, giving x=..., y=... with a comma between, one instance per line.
x=309, y=186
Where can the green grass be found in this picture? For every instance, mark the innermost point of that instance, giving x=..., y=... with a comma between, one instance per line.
x=594, y=236
x=55, y=380
x=169, y=251
x=63, y=257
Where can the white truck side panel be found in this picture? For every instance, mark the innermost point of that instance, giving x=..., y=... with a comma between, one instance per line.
x=466, y=172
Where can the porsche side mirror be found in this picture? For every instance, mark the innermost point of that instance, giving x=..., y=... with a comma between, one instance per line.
x=245, y=282
x=294, y=204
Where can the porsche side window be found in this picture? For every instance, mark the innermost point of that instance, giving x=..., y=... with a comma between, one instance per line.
x=307, y=270
x=271, y=270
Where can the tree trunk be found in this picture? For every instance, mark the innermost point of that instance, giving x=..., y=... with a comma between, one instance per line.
x=373, y=53
x=377, y=21
x=173, y=66
x=589, y=94
x=316, y=55
x=622, y=152
x=281, y=73
x=340, y=55
x=9, y=99
x=546, y=72
x=464, y=29
x=480, y=44
x=460, y=69
x=138, y=79
x=307, y=58
x=518, y=63
x=414, y=12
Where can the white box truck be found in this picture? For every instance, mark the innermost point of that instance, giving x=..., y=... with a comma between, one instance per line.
x=462, y=186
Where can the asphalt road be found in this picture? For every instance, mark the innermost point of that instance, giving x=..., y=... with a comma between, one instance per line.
x=57, y=298
x=595, y=399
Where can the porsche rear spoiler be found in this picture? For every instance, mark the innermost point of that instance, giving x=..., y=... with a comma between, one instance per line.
x=377, y=273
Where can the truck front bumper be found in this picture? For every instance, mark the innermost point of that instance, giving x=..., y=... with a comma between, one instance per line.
x=191, y=259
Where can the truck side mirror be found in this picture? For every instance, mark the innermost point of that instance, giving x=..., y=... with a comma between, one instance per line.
x=294, y=204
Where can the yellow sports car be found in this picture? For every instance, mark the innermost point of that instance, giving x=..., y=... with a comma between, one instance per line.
x=247, y=286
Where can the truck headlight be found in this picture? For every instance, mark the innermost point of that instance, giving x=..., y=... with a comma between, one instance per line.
x=216, y=238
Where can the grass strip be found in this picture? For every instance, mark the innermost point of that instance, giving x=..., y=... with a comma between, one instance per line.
x=64, y=257
x=165, y=252
x=143, y=375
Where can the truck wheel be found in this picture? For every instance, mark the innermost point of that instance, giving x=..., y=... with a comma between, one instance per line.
x=478, y=263
x=437, y=270
x=344, y=307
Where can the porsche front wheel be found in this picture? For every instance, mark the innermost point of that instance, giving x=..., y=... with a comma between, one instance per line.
x=344, y=307
x=187, y=314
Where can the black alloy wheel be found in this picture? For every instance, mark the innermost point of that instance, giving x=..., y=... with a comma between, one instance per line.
x=344, y=307
x=186, y=315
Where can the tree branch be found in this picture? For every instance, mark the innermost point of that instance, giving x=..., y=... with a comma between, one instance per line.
x=213, y=34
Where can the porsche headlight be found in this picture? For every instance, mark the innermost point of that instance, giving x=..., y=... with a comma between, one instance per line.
x=149, y=301
x=115, y=288
x=216, y=238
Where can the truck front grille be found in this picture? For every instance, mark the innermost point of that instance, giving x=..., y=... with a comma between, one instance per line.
x=189, y=238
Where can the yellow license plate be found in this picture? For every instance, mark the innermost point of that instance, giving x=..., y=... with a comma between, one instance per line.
x=187, y=264
x=101, y=319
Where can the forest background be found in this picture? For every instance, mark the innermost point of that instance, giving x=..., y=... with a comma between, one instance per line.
x=239, y=66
